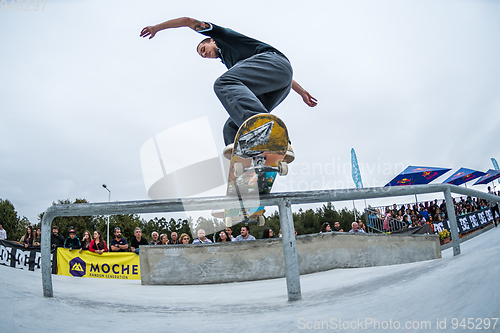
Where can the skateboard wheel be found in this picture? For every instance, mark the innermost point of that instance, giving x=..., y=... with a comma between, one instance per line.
x=238, y=169
x=283, y=168
x=229, y=221
x=262, y=221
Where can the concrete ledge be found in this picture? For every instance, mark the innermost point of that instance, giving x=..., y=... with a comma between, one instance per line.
x=263, y=259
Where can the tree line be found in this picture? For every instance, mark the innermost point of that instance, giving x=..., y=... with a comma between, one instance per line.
x=307, y=221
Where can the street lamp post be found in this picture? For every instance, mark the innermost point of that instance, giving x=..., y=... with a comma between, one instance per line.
x=109, y=200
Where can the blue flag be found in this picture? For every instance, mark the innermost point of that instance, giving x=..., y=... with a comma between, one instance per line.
x=495, y=165
x=356, y=175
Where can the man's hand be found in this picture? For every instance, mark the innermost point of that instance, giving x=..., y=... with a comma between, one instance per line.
x=149, y=31
x=174, y=23
x=306, y=97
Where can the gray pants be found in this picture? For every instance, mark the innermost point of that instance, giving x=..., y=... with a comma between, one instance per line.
x=252, y=86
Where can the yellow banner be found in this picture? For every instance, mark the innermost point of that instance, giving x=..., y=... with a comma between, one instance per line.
x=115, y=265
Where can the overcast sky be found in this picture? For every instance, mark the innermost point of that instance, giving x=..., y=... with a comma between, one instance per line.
x=401, y=82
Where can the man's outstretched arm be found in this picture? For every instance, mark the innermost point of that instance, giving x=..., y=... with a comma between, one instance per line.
x=174, y=23
x=308, y=99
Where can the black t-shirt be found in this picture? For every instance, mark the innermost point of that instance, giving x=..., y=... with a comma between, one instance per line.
x=234, y=46
x=135, y=244
x=58, y=240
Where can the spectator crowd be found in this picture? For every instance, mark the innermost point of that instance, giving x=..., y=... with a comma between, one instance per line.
x=430, y=212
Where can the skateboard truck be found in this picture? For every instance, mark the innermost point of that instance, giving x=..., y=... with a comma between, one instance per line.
x=282, y=169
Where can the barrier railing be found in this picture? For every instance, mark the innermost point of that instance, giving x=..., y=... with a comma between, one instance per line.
x=284, y=201
x=375, y=223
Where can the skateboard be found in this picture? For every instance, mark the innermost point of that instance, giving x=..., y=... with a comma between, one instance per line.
x=259, y=149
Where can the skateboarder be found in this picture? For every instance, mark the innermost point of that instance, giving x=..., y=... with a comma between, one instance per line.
x=259, y=77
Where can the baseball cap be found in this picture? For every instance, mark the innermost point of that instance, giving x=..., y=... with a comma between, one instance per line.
x=72, y=231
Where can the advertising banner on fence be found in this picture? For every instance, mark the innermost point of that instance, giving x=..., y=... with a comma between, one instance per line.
x=102, y=266
x=17, y=256
x=469, y=222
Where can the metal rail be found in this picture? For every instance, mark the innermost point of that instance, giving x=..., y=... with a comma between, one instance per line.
x=284, y=201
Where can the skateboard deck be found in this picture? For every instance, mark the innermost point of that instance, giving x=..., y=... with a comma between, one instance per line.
x=259, y=149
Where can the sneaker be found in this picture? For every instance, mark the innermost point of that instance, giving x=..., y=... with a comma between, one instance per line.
x=289, y=156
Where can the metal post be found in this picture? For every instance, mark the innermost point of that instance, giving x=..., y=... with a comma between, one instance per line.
x=290, y=250
x=450, y=208
x=45, y=251
x=107, y=227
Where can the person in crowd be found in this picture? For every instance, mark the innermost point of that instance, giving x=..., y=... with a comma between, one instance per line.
x=420, y=219
x=294, y=231
x=229, y=232
x=432, y=208
x=27, y=239
x=356, y=229
x=268, y=233
x=201, y=238
x=56, y=239
x=409, y=214
x=185, y=239
x=3, y=233
x=325, y=227
x=430, y=222
x=137, y=240
x=405, y=221
x=174, y=240
x=223, y=237
x=98, y=245
x=86, y=239
x=38, y=237
x=423, y=211
x=244, y=235
x=362, y=226
x=336, y=227
x=387, y=219
x=72, y=242
x=155, y=240
x=164, y=239
x=118, y=244
x=372, y=218
x=439, y=216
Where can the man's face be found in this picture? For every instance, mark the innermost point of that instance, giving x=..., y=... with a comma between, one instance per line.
x=201, y=234
x=72, y=235
x=229, y=231
x=118, y=233
x=208, y=50
x=337, y=225
x=155, y=236
x=244, y=232
x=174, y=236
x=55, y=231
x=138, y=233
x=354, y=226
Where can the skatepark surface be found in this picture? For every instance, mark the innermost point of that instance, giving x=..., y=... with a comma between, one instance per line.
x=417, y=297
